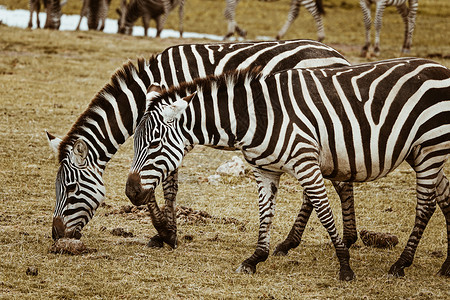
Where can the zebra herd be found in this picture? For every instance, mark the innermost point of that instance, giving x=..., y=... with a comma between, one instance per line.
x=295, y=107
x=158, y=10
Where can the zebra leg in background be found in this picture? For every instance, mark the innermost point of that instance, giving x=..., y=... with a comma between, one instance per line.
x=34, y=6
x=83, y=13
x=230, y=13
x=145, y=22
x=316, y=10
x=181, y=16
x=380, y=6
x=443, y=200
x=169, y=229
x=427, y=175
x=413, y=4
x=365, y=7
x=313, y=183
x=295, y=235
x=345, y=192
x=292, y=15
x=267, y=190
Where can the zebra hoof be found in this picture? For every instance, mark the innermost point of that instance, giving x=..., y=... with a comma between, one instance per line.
x=346, y=274
x=280, y=252
x=155, y=242
x=445, y=269
x=246, y=269
x=397, y=271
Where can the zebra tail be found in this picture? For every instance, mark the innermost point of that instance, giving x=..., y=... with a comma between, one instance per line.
x=320, y=7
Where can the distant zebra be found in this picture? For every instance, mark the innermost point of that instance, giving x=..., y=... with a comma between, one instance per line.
x=53, y=12
x=315, y=7
x=96, y=12
x=157, y=10
x=114, y=113
x=354, y=123
x=408, y=16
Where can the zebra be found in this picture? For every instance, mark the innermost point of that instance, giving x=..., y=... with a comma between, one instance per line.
x=408, y=15
x=53, y=11
x=96, y=12
x=113, y=114
x=315, y=7
x=148, y=9
x=353, y=123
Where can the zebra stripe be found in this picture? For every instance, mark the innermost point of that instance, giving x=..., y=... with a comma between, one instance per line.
x=114, y=113
x=95, y=12
x=315, y=8
x=293, y=122
x=157, y=10
x=408, y=15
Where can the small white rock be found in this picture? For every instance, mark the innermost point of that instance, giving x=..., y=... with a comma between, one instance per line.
x=233, y=167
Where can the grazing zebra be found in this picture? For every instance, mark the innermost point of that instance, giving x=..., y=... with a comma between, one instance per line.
x=354, y=123
x=315, y=7
x=408, y=16
x=96, y=12
x=113, y=114
x=157, y=10
x=53, y=11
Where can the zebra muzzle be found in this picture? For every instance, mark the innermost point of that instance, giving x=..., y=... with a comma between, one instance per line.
x=134, y=190
x=59, y=230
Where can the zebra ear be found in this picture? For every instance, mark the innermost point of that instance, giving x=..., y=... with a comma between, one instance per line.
x=175, y=110
x=53, y=141
x=152, y=92
x=80, y=151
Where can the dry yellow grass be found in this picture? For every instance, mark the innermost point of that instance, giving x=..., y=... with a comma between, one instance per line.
x=48, y=78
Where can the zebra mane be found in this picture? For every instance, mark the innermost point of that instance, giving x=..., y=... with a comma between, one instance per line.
x=205, y=84
x=112, y=89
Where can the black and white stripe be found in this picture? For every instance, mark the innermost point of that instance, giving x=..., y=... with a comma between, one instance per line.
x=157, y=10
x=116, y=110
x=408, y=15
x=314, y=7
x=96, y=12
x=354, y=123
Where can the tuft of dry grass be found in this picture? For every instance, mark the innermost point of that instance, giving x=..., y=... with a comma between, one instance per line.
x=47, y=79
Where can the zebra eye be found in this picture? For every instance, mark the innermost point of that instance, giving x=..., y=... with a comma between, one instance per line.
x=154, y=144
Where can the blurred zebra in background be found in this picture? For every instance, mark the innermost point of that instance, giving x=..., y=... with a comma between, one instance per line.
x=96, y=12
x=157, y=10
x=52, y=9
x=352, y=123
x=408, y=15
x=315, y=7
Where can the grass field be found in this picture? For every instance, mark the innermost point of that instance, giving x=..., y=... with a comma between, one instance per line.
x=47, y=78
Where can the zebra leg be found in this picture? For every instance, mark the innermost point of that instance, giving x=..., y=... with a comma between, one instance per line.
x=168, y=232
x=313, y=184
x=267, y=189
x=365, y=7
x=317, y=13
x=295, y=235
x=380, y=6
x=292, y=15
x=345, y=192
x=413, y=4
x=181, y=16
x=443, y=199
x=426, y=179
x=145, y=22
x=230, y=13
x=404, y=11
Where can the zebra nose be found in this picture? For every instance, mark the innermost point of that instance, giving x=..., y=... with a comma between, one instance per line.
x=58, y=228
x=134, y=189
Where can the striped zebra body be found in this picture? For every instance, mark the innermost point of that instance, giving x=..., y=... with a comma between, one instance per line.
x=157, y=10
x=408, y=15
x=114, y=113
x=96, y=12
x=314, y=7
x=354, y=123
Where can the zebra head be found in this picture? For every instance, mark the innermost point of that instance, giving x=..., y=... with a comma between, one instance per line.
x=79, y=188
x=158, y=148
